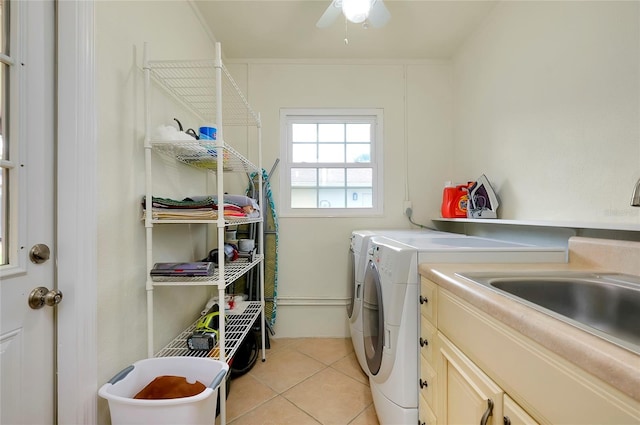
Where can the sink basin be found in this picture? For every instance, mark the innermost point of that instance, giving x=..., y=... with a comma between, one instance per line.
x=606, y=305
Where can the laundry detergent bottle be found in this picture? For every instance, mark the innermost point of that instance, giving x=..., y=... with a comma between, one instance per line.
x=454, y=201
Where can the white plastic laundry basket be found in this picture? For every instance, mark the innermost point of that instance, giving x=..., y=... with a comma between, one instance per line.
x=197, y=409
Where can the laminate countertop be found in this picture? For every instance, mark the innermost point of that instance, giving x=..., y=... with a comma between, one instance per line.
x=617, y=366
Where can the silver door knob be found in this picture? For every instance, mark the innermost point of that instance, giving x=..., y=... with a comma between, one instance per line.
x=39, y=253
x=42, y=296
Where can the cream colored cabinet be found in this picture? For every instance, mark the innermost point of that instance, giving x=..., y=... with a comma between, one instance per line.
x=425, y=414
x=452, y=389
x=428, y=379
x=514, y=414
x=474, y=358
x=468, y=395
x=429, y=301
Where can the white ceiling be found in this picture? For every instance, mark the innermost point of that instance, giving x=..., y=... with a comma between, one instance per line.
x=418, y=29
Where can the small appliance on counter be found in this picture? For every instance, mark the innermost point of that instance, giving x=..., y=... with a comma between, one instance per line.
x=483, y=202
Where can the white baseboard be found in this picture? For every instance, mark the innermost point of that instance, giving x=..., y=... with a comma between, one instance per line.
x=312, y=301
x=311, y=317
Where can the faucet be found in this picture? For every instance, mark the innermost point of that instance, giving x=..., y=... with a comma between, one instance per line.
x=635, y=197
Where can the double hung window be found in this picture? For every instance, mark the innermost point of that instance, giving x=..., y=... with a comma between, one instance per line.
x=332, y=162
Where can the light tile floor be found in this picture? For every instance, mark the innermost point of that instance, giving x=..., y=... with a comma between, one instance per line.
x=305, y=381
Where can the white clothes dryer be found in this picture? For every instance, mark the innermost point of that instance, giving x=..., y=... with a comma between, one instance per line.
x=357, y=261
x=359, y=245
x=390, y=309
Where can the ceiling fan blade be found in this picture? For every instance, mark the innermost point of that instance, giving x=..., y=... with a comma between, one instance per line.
x=329, y=16
x=379, y=15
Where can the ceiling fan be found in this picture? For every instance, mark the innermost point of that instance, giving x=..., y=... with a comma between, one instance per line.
x=372, y=12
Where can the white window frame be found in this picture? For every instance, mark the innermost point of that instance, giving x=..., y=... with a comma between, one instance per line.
x=14, y=128
x=293, y=115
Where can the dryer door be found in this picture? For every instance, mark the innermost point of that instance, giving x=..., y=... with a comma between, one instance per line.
x=372, y=318
x=351, y=278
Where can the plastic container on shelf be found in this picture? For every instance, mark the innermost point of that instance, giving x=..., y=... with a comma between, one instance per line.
x=208, y=132
x=198, y=409
x=454, y=201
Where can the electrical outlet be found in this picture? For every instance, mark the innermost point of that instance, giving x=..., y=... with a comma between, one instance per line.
x=406, y=205
x=408, y=212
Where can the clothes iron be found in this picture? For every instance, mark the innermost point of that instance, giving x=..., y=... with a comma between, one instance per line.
x=483, y=202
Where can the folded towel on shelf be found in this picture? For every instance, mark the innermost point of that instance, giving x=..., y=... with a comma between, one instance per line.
x=249, y=205
x=186, y=203
x=201, y=207
x=182, y=214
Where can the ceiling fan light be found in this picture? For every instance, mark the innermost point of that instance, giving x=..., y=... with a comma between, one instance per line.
x=356, y=11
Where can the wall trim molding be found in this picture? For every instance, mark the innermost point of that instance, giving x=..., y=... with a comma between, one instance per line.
x=312, y=301
x=76, y=216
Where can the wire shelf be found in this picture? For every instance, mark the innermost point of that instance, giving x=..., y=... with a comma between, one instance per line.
x=199, y=154
x=227, y=221
x=237, y=326
x=194, y=84
x=233, y=270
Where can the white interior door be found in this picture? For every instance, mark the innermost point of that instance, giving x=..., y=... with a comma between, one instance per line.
x=27, y=337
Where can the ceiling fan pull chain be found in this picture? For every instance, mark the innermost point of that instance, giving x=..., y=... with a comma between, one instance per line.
x=346, y=35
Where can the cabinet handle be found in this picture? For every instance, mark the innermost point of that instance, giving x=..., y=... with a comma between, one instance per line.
x=423, y=384
x=506, y=420
x=423, y=300
x=423, y=342
x=487, y=413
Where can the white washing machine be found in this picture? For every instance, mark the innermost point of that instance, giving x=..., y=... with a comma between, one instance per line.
x=357, y=261
x=390, y=309
x=357, y=265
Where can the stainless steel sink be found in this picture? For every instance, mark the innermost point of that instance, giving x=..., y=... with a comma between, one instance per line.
x=606, y=305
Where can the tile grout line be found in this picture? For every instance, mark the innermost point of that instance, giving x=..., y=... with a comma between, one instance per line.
x=294, y=346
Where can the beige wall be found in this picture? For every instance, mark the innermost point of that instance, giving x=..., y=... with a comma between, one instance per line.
x=547, y=105
x=543, y=99
x=416, y=100
x=173, y=32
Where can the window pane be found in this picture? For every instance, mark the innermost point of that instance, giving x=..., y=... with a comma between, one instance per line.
x=4, y=146
x=360, y=177
x=304, y=133
x=304, y=198
x=358, y=133
x=359, y=198
x=359, y=152
x=4, y=27
x=304, y=177
x=304, y=153
x=331, y=177
x=331, y=153
x=3, y=216
x=331, y=133
x=332, y=160
x=331, y=198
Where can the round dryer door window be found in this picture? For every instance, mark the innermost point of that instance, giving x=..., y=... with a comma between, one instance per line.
x=372, y=318
x=352, y=283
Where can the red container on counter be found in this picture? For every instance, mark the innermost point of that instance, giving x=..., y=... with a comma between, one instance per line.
x=454, y=201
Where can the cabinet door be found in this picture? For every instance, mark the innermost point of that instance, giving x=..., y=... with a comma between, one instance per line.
x=427, y=339
x=428, y=382
x=428, y=300
x=466, y=394
x=514, y=414
x=425, y=414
